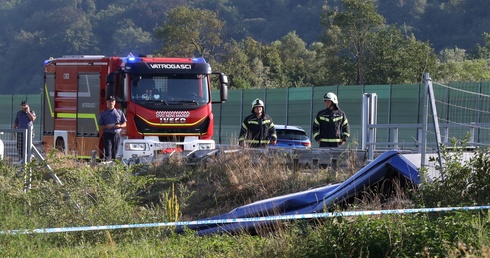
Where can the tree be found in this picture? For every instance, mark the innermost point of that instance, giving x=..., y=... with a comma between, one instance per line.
x=131, y=38
x=454, y=66
x=351, y=28
x=246, y=65
x=397, y=59
x=357, y=39
x=295, y=56
x=190, y=32
x=482, y=51
x=235, y=63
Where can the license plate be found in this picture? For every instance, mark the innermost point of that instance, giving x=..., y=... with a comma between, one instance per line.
x=163, y=145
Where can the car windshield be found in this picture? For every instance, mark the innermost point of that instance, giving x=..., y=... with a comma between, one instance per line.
x=287, y=134
x=179, y=88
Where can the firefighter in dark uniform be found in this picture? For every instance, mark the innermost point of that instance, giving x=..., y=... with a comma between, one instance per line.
x=331, y=127
x=257, y=129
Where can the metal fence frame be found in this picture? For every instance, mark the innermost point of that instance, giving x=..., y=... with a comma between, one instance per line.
x=294, y=106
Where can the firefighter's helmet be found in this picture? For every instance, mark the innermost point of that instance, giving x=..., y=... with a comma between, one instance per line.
x=257, y=103
x=331, y=96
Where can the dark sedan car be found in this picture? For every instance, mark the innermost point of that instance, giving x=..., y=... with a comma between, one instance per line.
x=290, y=136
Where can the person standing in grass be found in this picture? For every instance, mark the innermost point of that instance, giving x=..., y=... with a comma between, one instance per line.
x=331, y=127
x=111, y=121
x=258, y=128
x=23, y=120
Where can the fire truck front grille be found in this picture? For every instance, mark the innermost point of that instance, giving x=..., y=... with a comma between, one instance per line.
x=147, y=129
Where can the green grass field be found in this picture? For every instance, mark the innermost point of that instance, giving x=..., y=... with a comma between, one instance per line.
x=170, y=191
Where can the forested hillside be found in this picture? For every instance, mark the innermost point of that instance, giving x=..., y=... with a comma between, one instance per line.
x=274, y=43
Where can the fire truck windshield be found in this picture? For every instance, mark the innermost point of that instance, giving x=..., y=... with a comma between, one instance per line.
x=171, y=89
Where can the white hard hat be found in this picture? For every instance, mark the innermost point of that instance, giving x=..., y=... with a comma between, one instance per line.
x=257, y=103
x=331, y=96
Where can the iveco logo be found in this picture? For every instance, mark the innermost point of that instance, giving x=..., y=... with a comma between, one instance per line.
x=172, y=117
x=171, y=66
x=178, y=120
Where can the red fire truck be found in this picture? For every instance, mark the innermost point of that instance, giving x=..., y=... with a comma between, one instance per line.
x=167, y=102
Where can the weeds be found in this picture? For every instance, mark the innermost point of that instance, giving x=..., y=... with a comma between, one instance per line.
x=117, y=194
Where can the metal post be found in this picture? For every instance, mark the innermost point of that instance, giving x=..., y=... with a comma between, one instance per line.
x=446, y=134
x=334, y=164
x=29, y=145
x=369, y=117
x=312, y=112
x=472, y=132
x=423, y=139
x=220, y=119
x=373, y=119
x=364, y=121
x=24, y=146
x=419, y=140
x=93, y=158
x=287, y=106
x=395, y=138
x=435, y=118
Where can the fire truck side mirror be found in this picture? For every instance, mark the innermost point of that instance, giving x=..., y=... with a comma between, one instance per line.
x=224, y=93
x=110, y=80
x=223, y=79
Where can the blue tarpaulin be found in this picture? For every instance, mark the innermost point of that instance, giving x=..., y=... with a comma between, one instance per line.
x=382, y=173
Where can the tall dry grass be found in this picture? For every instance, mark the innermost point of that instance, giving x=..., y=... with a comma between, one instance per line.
x=240, y=178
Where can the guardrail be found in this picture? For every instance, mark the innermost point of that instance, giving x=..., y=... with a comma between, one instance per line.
x=416, y=145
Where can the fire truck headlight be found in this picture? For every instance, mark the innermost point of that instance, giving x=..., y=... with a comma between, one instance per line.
x=134, y=146
x=205, y=146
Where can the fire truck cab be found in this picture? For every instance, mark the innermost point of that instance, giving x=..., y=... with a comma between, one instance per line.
x=167, y=103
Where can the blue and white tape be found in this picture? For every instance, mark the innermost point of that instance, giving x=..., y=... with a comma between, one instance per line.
x=238, y=220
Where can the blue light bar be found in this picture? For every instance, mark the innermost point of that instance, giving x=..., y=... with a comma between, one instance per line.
x=198, y=60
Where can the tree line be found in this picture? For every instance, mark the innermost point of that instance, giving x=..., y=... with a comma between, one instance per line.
x=258, y=44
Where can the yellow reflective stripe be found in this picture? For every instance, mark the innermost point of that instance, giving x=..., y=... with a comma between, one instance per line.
x=46, y=93
x=257, y=122
x=316, y=134
x=244, y=126
x=331, y=140
x=324, y=118
x=345, y=122
x=336, y=119
x=346, y=134
x=316, y=122
x=69, y=115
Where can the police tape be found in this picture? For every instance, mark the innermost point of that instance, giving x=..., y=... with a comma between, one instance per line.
x=239, y=220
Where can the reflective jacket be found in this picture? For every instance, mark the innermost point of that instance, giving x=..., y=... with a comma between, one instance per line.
x=257, y=132
x=331, y=127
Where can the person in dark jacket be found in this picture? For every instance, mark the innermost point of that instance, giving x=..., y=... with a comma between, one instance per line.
x=23, y=120
x=111, y=121
x=258, y=128
x=331, y=127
